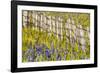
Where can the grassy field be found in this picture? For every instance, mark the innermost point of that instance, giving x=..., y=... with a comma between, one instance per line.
x=40, y=46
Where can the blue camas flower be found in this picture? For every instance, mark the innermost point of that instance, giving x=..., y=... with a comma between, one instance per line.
x=39, y=50
x=47, y=52
x=30, y=54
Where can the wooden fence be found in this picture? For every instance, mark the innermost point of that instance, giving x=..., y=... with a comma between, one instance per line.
x=39, y=20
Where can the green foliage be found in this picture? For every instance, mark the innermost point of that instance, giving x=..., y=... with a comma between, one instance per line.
x=76, y=47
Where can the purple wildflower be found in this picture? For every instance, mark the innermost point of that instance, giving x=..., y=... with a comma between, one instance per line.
x=39, y=51
x=47, y=52
x=30, y=54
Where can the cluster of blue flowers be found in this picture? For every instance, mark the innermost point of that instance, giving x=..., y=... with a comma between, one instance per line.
x=43, y=53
